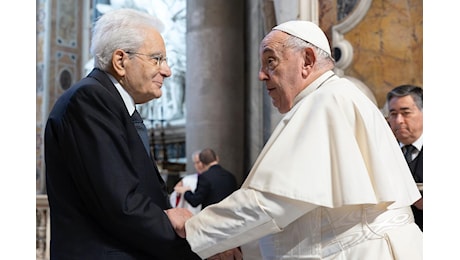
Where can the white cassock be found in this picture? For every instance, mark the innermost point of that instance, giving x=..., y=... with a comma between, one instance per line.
x=331, y=183
x=189, y=181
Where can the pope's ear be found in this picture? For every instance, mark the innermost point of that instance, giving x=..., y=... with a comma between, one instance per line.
x=309, y=57
x=119, y=58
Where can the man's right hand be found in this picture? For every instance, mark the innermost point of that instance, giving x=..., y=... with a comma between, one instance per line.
x=177, y=217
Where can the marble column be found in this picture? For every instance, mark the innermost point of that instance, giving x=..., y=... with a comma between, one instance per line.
x=256, y=95
x=215, y=81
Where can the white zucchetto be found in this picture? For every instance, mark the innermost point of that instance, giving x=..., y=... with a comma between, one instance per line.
x=307, y=31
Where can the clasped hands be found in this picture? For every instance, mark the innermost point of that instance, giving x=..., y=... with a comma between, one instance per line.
x=178, y=216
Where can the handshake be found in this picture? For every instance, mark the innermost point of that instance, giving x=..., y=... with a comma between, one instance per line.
x=178, y=217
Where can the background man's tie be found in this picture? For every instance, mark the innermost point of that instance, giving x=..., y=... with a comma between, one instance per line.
x=141, y=129
x=408, y=150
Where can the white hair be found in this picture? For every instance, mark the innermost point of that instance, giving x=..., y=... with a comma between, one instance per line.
x=119, y=29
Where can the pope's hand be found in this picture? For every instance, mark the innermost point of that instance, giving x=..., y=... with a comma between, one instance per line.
x=419, y=204
x=231, y=254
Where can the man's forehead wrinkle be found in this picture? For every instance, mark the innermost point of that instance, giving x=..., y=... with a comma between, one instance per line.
x=267, y=49
x=274, y=39
x=274, y=46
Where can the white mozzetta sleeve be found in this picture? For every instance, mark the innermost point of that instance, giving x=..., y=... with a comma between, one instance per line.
x=244, y=216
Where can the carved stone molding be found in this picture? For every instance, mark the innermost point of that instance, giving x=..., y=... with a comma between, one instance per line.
x=342, y=48
x=42, y=227
x=339, y=43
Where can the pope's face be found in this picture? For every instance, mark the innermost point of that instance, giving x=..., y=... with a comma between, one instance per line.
x=280, y=70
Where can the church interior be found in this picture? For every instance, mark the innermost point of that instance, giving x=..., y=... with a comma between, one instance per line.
x=214, y=98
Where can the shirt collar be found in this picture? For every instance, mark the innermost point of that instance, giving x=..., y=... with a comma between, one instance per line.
x=127, y=99
x=417, y=144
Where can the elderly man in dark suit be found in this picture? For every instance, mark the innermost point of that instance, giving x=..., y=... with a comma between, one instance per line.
x=214, y=184
x=107, y=198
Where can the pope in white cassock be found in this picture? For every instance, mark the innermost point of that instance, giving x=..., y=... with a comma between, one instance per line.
x=331, y=182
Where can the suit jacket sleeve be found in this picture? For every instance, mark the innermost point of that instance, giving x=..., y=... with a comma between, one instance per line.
x=201, y=192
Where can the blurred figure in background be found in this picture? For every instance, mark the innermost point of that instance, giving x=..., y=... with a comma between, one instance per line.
x=190, y=180
x=214, y=183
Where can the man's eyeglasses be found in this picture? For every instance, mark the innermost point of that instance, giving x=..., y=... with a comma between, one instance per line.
x=156, y=59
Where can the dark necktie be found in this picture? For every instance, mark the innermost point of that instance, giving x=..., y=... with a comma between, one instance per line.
x=141, y=129
x=408, y=150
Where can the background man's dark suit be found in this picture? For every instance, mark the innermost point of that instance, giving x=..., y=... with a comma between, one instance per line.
x=105, y=193
x=416, y=167
x=213, y=185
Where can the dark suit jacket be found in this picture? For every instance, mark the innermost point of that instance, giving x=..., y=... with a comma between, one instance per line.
x=213, y=186
x=105, y=193
x=416, y=167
